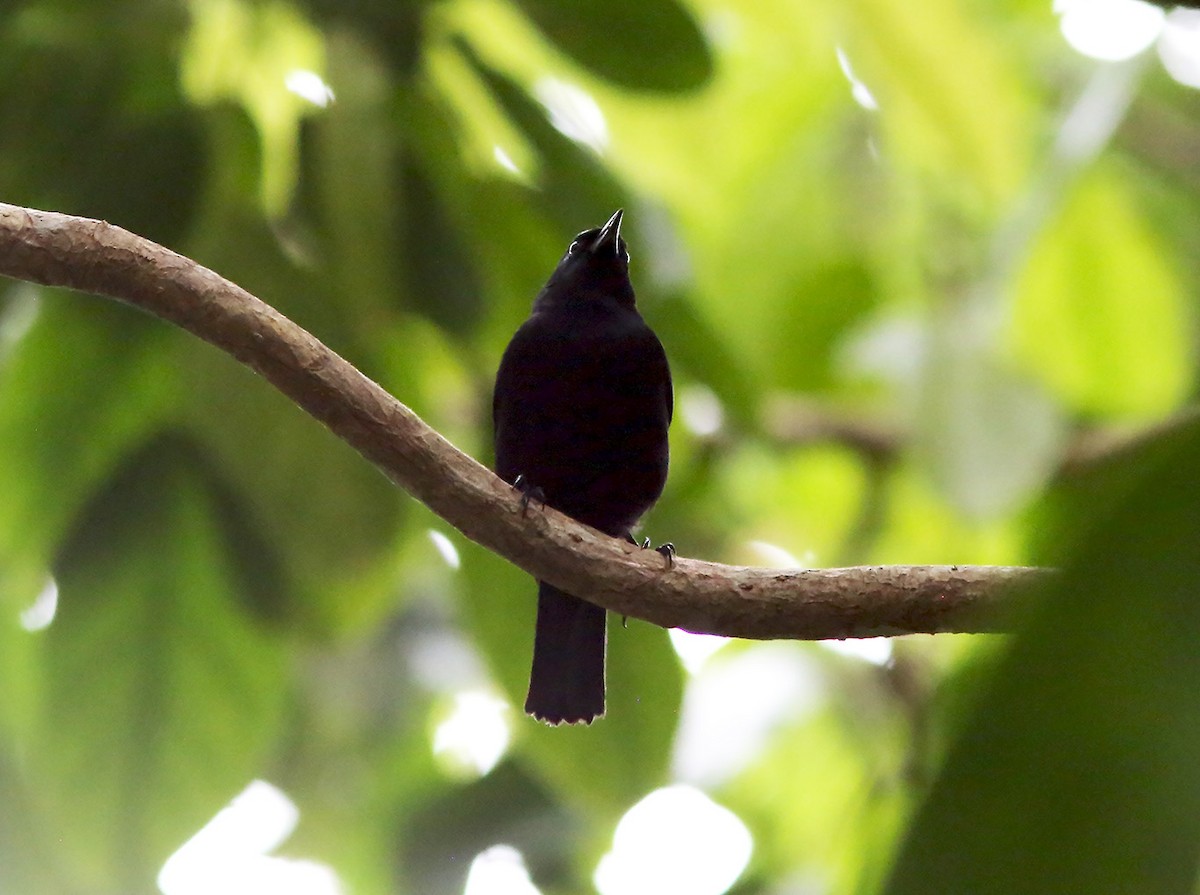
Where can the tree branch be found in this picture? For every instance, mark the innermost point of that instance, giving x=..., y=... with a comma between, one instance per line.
x=94, y=256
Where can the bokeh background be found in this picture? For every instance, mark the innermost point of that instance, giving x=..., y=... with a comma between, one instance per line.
x=923, y=272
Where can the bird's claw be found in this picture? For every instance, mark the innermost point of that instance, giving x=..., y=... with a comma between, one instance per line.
x=667, y=550
x=529, y=492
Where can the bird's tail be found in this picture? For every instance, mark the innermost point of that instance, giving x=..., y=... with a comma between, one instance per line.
x=566, y=684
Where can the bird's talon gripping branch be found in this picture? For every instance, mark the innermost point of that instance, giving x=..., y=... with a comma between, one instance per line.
x=668, y=552
x=529, y=492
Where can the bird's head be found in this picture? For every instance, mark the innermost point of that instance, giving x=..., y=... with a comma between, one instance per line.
x=595, y=267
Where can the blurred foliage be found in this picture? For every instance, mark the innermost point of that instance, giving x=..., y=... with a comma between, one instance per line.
x=240, y=596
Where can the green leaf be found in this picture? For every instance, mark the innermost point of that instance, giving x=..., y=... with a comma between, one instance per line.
x=353, y=172
x=162, y=695
x=697, y=345
x=829, y=810
x=802, y=347
x=575, y=185
x=332, y=531
x=1101, y=315
x=1080, y=769
x=638, y=44
x=395, y=27
x=988, y=437
x=83, y=383
x=952, y=103
x=443, y=282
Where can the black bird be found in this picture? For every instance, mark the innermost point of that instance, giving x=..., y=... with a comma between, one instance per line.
x=581, y=408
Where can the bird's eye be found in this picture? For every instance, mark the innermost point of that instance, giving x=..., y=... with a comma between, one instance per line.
x=582, y=241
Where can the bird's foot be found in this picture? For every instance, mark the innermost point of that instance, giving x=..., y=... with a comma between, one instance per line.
x=529, y=493
x=667, y=550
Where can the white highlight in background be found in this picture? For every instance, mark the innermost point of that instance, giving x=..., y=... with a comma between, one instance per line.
x=676, y=839
x=694, y=650
x=876, y=650
x=775, y=557
x=736, y=703
x=309, y=85
x=1179, y=47
x=476, y=734
x=499, y=870
x=701, y=411
x=229, y=854
x=40, y=613
x=445, y=548
x=861, y=93
x=573, y=112
x=504, y=160
x=1109, y=30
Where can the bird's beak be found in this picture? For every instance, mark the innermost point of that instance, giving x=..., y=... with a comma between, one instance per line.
x=610, y=233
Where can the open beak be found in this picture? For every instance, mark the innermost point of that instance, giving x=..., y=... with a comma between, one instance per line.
x=610, y=233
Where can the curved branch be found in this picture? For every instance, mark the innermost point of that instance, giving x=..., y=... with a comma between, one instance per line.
x=94, y=256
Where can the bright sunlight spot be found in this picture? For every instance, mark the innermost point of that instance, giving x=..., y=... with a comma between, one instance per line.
x=475, y=735
x=310, y=86
x=573, y=112
x=876, y=650
x=1094, y=117
x=676, y=839
x=1179, y=47
x=446, y=662
x=1109, y=30
x=229, y=854
x=499, y=870
x=504, y=160
x=775, y=557
x=700, y=410
x=40, y=613
x=861, y=93
x=694, y=649
x=735, y=703
x=445, y=547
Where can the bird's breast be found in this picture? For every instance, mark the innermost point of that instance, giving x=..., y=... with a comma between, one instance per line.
x=582, y=412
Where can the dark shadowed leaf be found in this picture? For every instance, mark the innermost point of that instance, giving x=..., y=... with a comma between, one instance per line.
x=1080, y=770
x=87, y=380
x=443, y=282
x=83, y=135
x=331, y=530
x=153, y=662
x=394, y=27
x=639, y=44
